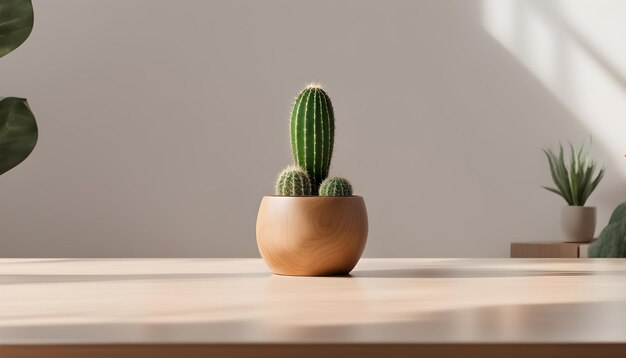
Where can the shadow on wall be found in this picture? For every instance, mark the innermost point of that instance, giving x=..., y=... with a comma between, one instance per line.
x=576, y=51
x=540, y=90
x=442, y=109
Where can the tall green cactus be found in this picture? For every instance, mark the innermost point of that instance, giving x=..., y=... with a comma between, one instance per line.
x=293, y=181
x=313, y=133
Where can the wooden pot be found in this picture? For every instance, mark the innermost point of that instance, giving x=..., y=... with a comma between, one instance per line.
x=311, y=235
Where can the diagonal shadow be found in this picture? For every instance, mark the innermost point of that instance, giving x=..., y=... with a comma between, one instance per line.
x=463, y=273
x=26, y=279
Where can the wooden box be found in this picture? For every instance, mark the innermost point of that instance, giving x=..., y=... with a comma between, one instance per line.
x=549, y=249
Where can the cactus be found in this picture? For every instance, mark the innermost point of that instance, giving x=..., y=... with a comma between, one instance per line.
x=293, y=181
x=312, y=133
x=336, y=187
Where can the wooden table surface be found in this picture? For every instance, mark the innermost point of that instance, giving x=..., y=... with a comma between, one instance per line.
x=191, y=307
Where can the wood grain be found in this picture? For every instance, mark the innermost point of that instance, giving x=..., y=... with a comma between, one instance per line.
x=237, y=308
x=317, y=351
x=546, y=249
x=311, y=236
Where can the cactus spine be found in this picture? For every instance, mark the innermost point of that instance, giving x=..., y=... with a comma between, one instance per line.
x=293, y=181
x=336, y=187
x=313, y=133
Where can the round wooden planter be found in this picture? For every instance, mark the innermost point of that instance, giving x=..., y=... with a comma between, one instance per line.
x=311, y=235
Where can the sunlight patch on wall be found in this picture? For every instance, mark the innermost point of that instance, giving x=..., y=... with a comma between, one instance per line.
x=576, y=49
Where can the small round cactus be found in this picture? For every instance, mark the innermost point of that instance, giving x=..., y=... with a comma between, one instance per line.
x=336, y=187
x=293, y=181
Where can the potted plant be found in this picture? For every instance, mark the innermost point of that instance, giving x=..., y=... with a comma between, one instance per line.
x=18, y=129
x=313, y=226
x=575, y=182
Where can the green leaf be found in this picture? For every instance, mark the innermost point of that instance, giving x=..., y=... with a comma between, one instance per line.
x=555, y=191
x=18, y=132
x=592, y=186
x=561, y=174
x=573, y=175
x=586, y=180
x=575, y=179
x=562, y=171
x=555, y=176
x=16, y=23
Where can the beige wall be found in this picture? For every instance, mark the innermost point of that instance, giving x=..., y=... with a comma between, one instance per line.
x=162, y=123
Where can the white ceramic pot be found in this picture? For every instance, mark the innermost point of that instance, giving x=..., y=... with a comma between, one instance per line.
x=578, y=223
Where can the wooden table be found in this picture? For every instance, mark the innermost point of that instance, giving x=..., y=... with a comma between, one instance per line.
x=235, y=307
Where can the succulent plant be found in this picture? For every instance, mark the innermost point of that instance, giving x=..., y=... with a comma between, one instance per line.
x=312, y=133
x=336, y=187
x=18, y=129
x=293, y=181
x=574, y=181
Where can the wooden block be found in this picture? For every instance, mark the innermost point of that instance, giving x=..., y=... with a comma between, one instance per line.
x=583, y=251
x=546, y=249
